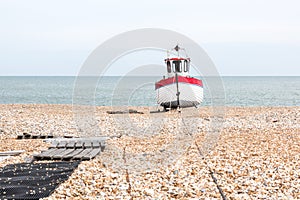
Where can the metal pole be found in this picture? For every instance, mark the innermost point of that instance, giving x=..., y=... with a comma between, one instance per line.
x=177, y=88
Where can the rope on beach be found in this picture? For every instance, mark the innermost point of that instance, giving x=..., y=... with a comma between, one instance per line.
x=218, y=186
x=209, y=169
x=212, y=175
x=127, y=174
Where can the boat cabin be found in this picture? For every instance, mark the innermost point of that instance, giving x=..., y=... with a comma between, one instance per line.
x=181, y=66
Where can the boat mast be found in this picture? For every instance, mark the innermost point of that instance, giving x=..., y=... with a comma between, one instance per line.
x=178, y=93
x=176, y=79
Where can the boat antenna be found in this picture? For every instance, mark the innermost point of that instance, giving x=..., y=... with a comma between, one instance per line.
x=177, y=48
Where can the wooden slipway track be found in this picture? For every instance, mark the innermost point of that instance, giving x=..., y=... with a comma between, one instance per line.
x=73, y=149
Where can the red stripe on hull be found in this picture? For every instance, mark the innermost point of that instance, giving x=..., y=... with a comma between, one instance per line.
x=181, y=79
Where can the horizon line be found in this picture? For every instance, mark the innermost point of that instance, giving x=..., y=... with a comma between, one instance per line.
x=260, y=75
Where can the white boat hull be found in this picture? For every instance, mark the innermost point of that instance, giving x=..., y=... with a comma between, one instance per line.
x=189, y=95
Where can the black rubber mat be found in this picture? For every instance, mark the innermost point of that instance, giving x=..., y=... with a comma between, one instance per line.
x=33, y=181
x=29, y=136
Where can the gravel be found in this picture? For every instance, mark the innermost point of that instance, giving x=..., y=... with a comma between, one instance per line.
x=256, y=154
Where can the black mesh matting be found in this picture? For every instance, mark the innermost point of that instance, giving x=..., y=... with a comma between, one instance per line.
x=33, y=180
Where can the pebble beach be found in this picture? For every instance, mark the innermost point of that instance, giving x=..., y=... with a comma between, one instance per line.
x=256, y=154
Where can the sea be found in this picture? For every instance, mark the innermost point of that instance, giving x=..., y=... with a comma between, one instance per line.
x=140, y=91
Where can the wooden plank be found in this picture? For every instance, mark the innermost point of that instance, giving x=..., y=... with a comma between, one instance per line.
x=79, y=144
x=29, y=136
x=34, y=137
x=77, y=148
x=68, y=136
x=157, y=111
x=96, y=144
x=91, y=154
x=102, y=145
x=82, y=154
x=54, y=144
x=19, y=137
x=130, y=111
x=62, y=153
x=42, y=136
x=26, y=136
x=3, y=158
x=71, y=144
x=48, y=154
x=11, y=153
x=87, y=144
x=62, y=144
x=72, y=154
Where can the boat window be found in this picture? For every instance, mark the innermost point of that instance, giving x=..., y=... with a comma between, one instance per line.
x=177, y=66
x=169, y=66
x=186, y=66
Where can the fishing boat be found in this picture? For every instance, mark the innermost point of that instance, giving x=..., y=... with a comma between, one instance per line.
x=179, y=89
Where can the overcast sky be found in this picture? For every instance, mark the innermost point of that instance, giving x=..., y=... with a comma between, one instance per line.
x=242, y=37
